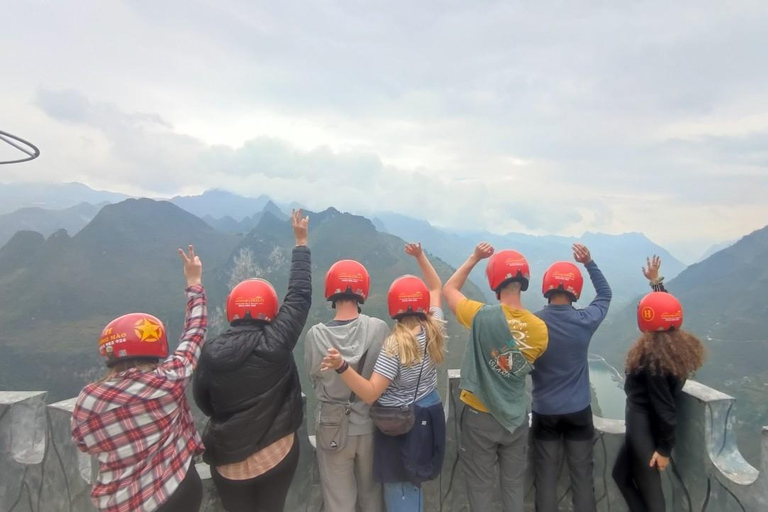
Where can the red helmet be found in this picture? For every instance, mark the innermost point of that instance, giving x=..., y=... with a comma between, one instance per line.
x=505, y=266
x=347, y=278
x=136, y=335
x=563, y=276
x=659, y=311
x=252, y=299
x=408, y=295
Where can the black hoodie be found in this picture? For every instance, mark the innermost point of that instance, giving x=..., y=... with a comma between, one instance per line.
x=247, y=381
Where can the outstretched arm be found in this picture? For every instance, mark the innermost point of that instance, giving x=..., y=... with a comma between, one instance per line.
x=598, y=308
x=286, y=328
x=428, y=271
x=182, y=363
x=452, y=288
x=368, y=390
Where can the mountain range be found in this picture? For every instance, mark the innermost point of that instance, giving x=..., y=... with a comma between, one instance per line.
x=47, y=221
x=217, y=204
x=229, y=224
x=619, y=256
x=52, y=196
x=56, y=294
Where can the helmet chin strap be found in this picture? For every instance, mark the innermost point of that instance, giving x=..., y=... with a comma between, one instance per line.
x=111, y=359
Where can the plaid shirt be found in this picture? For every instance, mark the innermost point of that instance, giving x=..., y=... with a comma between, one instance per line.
x=260, y=462
x=139, y=425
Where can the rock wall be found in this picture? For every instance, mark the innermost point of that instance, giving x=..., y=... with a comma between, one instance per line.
x=42, y=471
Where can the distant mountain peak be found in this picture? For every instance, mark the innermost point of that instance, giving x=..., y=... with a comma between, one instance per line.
x=19, y=250
x=219, y=203
x=60, y=234
x=129, y=218
x=272, y=208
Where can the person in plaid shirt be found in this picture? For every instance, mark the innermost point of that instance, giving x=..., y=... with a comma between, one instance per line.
x=136, y=420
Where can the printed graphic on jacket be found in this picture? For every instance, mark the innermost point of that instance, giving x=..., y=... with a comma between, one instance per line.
x=509, y=360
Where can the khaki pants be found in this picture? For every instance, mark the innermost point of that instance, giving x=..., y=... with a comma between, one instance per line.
x=487, y=449
x=347, y=477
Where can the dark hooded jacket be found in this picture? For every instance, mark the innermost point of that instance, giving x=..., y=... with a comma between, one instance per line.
x=247, y=381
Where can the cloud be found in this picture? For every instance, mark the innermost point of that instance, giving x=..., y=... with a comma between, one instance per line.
x=70, y=106
x=493, y=114
x=275, y=158
x=162, y=160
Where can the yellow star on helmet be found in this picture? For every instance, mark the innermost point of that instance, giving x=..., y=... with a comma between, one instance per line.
x=148, y=331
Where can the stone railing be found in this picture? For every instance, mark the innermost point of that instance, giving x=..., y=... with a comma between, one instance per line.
x=42, y=471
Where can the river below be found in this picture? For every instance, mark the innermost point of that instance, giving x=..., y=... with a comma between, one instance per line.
x=608, y=385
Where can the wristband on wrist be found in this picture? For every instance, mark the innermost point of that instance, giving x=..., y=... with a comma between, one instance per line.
x=657, y=281
x=344, y=367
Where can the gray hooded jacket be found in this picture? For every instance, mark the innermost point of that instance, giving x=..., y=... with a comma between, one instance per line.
x=351, y=340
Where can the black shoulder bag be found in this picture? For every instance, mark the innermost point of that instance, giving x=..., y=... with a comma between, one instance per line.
x=397, y=420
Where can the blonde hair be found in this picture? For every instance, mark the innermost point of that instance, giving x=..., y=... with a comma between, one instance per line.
x=402, y=343
x=124, y=366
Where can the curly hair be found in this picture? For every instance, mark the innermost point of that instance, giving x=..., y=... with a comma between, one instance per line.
x=677, y=353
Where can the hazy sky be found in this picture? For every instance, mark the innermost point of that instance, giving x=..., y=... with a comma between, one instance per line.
x=542, y=117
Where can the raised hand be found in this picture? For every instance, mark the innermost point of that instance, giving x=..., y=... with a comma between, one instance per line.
x=661, y=462
x=193, y=267
x=483, y=250
x=332, y=361
x=414, y=250
x=581, y=254
x=651, y=270
x=300, y=227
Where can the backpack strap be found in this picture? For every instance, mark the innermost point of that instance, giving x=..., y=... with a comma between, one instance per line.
x=421, y=370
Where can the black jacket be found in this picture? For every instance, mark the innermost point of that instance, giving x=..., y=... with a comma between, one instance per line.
x=656, y=395
x=247, y=381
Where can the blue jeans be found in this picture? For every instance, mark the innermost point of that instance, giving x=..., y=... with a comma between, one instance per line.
x=404, y=496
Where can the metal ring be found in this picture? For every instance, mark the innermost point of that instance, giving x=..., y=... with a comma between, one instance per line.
x=22, y=145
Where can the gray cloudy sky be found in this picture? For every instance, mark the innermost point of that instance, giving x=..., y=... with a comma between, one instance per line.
x=542, y=117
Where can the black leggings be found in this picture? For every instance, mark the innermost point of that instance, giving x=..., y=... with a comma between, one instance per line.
x=639, y=483
x=265, y=493
x=188, y=496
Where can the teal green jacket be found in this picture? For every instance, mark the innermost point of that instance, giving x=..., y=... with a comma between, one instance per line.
x=494, y=369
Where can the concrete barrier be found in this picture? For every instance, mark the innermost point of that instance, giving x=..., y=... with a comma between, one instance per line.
x=42, y=471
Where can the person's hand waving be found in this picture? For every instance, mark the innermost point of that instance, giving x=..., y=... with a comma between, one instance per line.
x=193, y=267
x=483, y=250
x=651, y=270
x=414, y=250
x=300, y=227
x=581, y=254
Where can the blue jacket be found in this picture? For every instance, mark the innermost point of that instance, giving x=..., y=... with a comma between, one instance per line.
x=424, y=448
x=417, y=456
x=561, y=375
